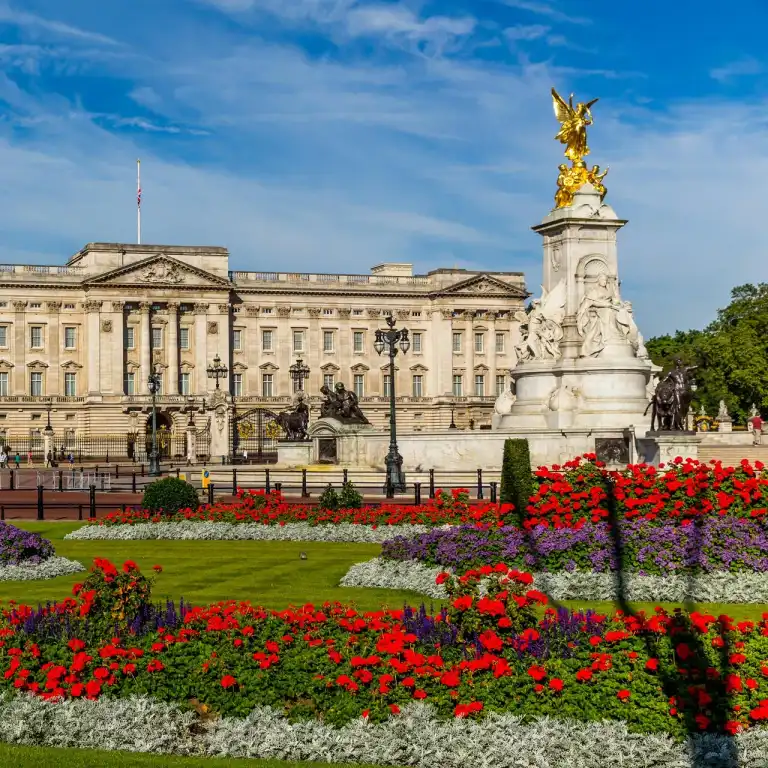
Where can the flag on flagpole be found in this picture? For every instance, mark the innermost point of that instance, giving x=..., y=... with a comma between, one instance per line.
x=138, y=201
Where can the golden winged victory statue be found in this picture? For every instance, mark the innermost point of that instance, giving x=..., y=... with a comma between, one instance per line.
x=573, y=134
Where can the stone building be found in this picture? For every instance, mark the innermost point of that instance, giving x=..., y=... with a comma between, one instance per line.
x=77, y=341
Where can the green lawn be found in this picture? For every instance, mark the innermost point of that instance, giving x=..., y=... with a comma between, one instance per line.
x=44, y=757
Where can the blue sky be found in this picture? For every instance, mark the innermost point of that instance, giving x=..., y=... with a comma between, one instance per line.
x=330, y=135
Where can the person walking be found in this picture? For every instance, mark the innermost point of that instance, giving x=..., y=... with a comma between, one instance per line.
x=49, y=459
x=29, y=458
x=17, y=460
x=757, y=429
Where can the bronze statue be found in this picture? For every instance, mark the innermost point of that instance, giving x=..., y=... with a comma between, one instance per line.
x=342, y=404
x=672, y=399
x=294, y=422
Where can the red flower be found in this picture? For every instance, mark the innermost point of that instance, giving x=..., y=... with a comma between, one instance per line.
x=394, y=709
x=623, y=694
x=584, y=675
x=129, y=566
x=450, y=679
x=76, y=645
x=442, y=577
x=652, y=665
x=537, y=672
x=92, y=689
x=155, y=666
x=419, y=694
x=157, y=568
x=556, y=684
x=228, y=681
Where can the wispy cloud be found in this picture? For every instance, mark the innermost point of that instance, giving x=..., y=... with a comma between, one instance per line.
x=32, y=23
x=526, y=32
x=739, y=68
x=545, y=9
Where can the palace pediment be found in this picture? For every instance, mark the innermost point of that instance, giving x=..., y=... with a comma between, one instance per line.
x=162, y=271
x=483, y=285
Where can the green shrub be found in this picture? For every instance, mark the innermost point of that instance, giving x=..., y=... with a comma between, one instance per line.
x=169, y=495
x=329, y=499
x=350, y=498
x=517, y=484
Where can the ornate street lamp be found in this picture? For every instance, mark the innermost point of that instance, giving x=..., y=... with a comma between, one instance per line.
x=217, y=370
x=153, y=384
x=48, y=427
x=389, y=340
x=190, y=409
x=299, y=371
x=452, y=425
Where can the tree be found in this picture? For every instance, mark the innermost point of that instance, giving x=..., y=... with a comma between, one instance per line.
x=731, y=354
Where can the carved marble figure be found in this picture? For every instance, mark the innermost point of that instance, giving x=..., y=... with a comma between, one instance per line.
x=543, y=326
x=600, y=314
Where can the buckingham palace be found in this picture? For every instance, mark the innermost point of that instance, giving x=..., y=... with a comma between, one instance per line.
x=78, y=341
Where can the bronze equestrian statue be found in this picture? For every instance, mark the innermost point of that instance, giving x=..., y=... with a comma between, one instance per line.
x=672, y=399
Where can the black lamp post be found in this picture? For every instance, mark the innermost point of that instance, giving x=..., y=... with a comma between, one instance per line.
x=48, y=427
x=217, y=370
x=191, y=411
x=452, y=425
x=389, y=340
x=299, y=371
x=153, y=384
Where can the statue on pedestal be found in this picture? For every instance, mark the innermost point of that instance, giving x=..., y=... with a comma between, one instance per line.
x=294, y=421
x=342, y=404
x=598, y=316
x=543, y=326
x=672, y=399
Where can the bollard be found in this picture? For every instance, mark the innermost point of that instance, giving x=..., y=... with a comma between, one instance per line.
x=92, y=501
x=479, y=483
x=97, y=470
x=417, y=494
x=117, y=471
x=177, y=473
x=234, y=482
x=493, y=492
x=142, y=470
x=40, y=508
x=2, y=513
x=278, y=487
x=389, y=489
x=266, y=481
x=107, y=456
x=210, y=493
x=345, y=475
x=122, y=507
x=79, y=511
x=13, y=480
x=304, y=491
x=133, y=482
x=431, y=483
x=61, y=481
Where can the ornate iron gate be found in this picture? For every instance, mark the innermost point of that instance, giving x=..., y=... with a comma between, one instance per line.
x=254, y=434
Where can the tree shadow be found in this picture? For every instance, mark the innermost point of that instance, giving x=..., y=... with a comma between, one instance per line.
x=699, y=678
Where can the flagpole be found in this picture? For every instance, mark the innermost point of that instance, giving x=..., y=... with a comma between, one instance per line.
x=138, y=201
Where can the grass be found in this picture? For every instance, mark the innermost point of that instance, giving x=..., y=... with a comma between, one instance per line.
x=47, y=757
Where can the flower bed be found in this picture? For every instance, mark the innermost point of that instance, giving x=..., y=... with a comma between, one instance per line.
x=670, y=674
x=711, y=544
x=26, y=556
x=717, y=587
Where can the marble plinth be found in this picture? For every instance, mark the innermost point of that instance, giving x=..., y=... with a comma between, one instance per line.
x=336, y=442
x=664, y=447
x=295, y=454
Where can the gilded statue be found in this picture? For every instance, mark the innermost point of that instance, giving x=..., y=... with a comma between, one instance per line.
x=573, y=134
x=573, y=125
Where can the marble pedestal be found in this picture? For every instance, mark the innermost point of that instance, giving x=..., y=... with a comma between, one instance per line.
x=664, y=447
x=295, y=454
x=336, y=442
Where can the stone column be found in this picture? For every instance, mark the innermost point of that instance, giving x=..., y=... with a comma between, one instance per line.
x=117, y=329
x=284, y=351
x=343, y=347
x=313, y=357
x=145, y=348
x=19, y=386
x=54, y=384
x=469, y=355
x=201, y=350
x=173, y=349
x=490, y=389
x=92, y=309
x=222, y=336
x=191, y=444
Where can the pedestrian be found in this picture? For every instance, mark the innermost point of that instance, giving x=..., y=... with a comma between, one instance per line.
x=245, y=456
x=29, y=458
x=3, y=459
x=757, y=429
x=49, y=459
x=17, y=460
x=71, y=460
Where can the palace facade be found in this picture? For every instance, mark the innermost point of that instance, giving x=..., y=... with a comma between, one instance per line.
x=78, y=341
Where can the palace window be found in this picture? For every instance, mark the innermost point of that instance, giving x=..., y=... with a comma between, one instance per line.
x=184, y=384
x=416, y=341
x=130, y=383
x=3, y=335
x=456, y=342
x=160, y=384
x=359, y=384
x=500, y=384
x=184, y=338
x=157, y=338
x=130, y=338
x=36, y=336
x=36, y=384
x=267, y=381
x=327, y=311
x=387, y=384
x=70, y=384
x=70, y=337
x=298, y=341
x=358, y=341
x=237, y=339
x=237, y=384
x=500, y=343
x=417, y=385
x=458, y=385
x=266, y=341
x=479, y=385
x=479, y=342
x=327, y=341
x=4, y=384
x=329, y=380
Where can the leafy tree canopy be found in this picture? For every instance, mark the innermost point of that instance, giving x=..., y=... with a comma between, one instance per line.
x=731, y=354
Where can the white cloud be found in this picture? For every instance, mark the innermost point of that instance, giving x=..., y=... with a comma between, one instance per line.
x=34, y=24
x=526, y=32
x=739, y=68
x=545, y=9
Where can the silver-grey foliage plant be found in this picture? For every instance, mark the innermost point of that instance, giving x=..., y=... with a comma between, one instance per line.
x=717, y=587
x=48, y=569
x=412, y=738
